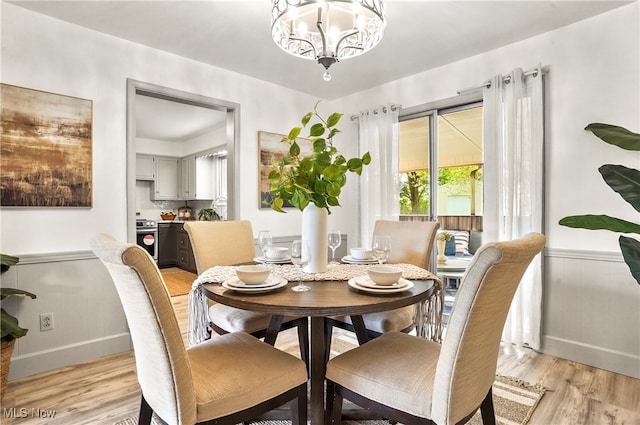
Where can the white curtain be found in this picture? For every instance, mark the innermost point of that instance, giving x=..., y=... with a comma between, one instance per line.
x=379, y=192
x=513, y=201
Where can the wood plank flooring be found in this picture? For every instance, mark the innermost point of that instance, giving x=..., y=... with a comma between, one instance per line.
x=105, y=391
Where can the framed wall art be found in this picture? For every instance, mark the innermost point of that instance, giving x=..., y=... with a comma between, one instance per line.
x=45, y=149
x=270, y=147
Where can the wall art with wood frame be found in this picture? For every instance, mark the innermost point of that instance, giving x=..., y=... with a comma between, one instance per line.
x=271, y=148
x=45, y=149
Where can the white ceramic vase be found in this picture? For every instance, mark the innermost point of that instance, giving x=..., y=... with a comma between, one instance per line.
x=314, y=230
x=441, y=257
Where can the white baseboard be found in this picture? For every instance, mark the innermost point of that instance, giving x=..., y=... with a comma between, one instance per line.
x=600, y=357
x=68, y=355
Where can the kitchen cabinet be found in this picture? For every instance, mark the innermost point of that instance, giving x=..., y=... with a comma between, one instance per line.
x=167, y=177
x=167, y=244
x=196, y=178
x=145, y=167
x=186, y=260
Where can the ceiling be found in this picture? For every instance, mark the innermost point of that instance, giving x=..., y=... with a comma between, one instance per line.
x=235, y=35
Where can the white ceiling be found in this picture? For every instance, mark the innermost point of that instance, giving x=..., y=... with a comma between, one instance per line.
x=235, y=35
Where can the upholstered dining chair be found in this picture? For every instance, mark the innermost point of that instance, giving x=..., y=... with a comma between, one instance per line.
x=224, y=243
x=411, y=243
x=412, y=380
x=225, y=380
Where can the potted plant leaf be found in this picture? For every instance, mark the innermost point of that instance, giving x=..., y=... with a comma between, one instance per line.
x=208, y=214
x=11, y=330
x=624, y=181
x=313, y=183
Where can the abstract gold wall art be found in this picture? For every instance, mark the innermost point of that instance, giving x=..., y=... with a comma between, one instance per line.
x=45, y=149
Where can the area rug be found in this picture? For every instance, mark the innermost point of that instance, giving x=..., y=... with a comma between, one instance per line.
x=514, y=402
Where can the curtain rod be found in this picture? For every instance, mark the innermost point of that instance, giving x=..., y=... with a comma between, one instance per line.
x=534, y=71
x=375, y=111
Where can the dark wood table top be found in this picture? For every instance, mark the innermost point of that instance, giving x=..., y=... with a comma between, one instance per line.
x=326, y=298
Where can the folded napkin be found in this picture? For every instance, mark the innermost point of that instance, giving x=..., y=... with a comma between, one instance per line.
x=428, y=317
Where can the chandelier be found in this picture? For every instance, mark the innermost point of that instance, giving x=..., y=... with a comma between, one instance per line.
x=327, y=31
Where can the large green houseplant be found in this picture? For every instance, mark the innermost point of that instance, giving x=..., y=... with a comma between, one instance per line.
x=624, y=181
x=11, y=330
x=317, y=178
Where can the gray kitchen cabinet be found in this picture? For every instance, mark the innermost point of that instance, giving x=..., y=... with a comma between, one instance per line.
x=196, y=178
x=186, y=260
x=167, y=178
x=167, y=244
x=188, y=178
x=145, y=167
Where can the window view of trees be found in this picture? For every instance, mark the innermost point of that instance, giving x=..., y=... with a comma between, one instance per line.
x=452, y=181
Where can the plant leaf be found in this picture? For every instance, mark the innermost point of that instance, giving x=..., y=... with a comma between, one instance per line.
x=333, y=119
x=366, y=158
x=316, y=130
x=10, y=328
x=614, y=135
x=307, y=118
x=294, y=150
x=294, y=133
x=600, y=222
x=631, y=253
x=625, y=181
x=7, y=261
x=7, y=292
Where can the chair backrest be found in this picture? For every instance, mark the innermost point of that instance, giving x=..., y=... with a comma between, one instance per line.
x=468, y=359
x=411, y=241
x=220, y=243
x=162, y=364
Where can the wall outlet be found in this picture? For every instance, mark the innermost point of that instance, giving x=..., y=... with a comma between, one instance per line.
x=46, y=322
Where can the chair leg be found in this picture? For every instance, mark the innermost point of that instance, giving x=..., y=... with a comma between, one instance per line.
x=298, y=407
x=303, y=341
x=334, y=405
x=146, y=412
x=486, y=409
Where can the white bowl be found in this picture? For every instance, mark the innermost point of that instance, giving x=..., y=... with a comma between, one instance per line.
x=384, y=275
x=253, y=275
x=362, y=253
x=276, y=253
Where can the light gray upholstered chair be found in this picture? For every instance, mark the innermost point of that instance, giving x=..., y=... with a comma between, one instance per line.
x=226, y=380
x=411, y=243
x=224, y=243
x=412, y=380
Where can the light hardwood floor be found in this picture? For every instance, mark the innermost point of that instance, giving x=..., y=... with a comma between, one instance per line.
x=105, y=391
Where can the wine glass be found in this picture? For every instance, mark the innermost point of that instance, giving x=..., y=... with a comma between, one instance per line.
x=381, y=247
x=265, y=241
x=300, y=256
x=335, y=239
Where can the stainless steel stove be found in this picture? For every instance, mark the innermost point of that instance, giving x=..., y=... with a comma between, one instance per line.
x=147, y=236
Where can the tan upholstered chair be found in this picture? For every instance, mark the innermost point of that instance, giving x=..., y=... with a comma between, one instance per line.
x=412, y=380
x=411, y=243
x=224, y=243
x=226, y=380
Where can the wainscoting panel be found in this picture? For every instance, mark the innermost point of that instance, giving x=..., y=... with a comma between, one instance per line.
x=88, y=318
x=591, y=308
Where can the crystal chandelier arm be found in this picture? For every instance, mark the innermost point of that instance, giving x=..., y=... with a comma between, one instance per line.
x=354, y=32
x=294, y=38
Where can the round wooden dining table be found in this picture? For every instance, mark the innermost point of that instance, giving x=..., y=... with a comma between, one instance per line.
x=326, y=298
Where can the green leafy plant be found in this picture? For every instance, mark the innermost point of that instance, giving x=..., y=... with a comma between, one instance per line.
x=319, y=177
x=10, y=328
x=624, y=181
x=208, y=214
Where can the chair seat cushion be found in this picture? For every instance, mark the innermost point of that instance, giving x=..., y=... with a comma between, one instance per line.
x=396, y=368
x=385, y=321
x=237, y=320
x=229, y=374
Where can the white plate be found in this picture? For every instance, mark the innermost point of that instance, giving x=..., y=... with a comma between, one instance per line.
x=367, y=282
x=354, y=284
x=277, y=282
x=284, y=260
x=237, y=283
x=350, y=260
